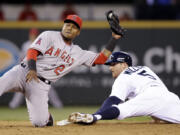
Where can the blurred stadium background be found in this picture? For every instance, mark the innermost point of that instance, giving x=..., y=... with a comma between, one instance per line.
x=152, y=38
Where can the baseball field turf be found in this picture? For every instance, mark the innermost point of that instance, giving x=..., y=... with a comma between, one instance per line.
x=16, y=122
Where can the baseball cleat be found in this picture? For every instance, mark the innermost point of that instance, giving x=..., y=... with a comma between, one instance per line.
x=50, y=121
x=82, y=118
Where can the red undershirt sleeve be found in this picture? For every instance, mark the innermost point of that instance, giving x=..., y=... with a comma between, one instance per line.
x=32, y=54
x=101, y=59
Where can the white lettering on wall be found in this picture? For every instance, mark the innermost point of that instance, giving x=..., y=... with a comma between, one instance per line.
x=169, y=57
x=148, y=57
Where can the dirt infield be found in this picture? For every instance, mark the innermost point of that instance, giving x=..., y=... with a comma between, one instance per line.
x=100, y=128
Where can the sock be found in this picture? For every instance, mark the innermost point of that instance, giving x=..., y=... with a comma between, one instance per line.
x=113, y=100
x=108, y=114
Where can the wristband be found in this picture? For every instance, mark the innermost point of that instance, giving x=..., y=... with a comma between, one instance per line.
x=111, y=44
x=32, y=64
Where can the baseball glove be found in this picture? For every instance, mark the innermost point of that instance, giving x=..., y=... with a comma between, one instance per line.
x=113, y=21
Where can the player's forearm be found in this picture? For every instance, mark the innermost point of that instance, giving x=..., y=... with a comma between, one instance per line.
x=32, y=57
x=109, y=48
x=107, y=111
x=111, y=44
x=112, y=100
x=108, y=114
x=32, y=64
x=106, y=52
x=101, y=59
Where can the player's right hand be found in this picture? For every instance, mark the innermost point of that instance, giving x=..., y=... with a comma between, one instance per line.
x=32, y=75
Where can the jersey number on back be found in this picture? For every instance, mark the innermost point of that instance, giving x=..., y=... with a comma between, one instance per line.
x=132, y=70
x=143, y=73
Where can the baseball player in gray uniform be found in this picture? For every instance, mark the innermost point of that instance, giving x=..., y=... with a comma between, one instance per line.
x=137, y=91
x=51, y=56
x=18, y=97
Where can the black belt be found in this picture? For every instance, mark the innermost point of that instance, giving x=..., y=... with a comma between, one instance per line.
x=40, y=78
x=44, y=80
x=23, y=65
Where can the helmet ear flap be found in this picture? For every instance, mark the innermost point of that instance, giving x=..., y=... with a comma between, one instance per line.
x=128, y=60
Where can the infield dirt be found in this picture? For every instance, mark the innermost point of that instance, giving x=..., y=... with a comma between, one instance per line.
x=100, y=128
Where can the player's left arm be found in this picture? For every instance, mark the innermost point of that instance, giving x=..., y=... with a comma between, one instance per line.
x=36, y=48
x=32, y=57
x=112, y=100
x=107, y=51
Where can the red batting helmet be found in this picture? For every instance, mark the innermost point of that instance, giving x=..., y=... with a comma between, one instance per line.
x=74, y=19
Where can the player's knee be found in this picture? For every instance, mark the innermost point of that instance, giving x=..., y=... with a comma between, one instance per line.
x=40, y=120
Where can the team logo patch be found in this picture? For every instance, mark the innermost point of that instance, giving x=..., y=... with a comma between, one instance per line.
x=74, y=18
x=112, y=57
x=120, y=59
x=9, y=55
x=39, y=41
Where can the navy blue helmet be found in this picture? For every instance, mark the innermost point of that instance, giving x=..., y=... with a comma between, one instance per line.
x=119, y=57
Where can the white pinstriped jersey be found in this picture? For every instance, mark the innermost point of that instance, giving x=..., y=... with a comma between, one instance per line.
x=57, y=57
x=133, y=81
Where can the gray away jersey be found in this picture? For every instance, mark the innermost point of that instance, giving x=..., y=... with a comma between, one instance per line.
x=57, y=58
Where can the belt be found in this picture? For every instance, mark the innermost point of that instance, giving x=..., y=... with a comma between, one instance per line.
x=23, y=65
x=40, y=78
x=44, y=80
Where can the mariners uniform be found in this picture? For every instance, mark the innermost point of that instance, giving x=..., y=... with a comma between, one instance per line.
x=146, y=95
x=137, y=91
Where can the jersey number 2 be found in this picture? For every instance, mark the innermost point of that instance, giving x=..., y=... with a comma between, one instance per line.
x=59, y=69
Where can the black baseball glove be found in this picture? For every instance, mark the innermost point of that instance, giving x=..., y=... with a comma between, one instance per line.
x=113, y=21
